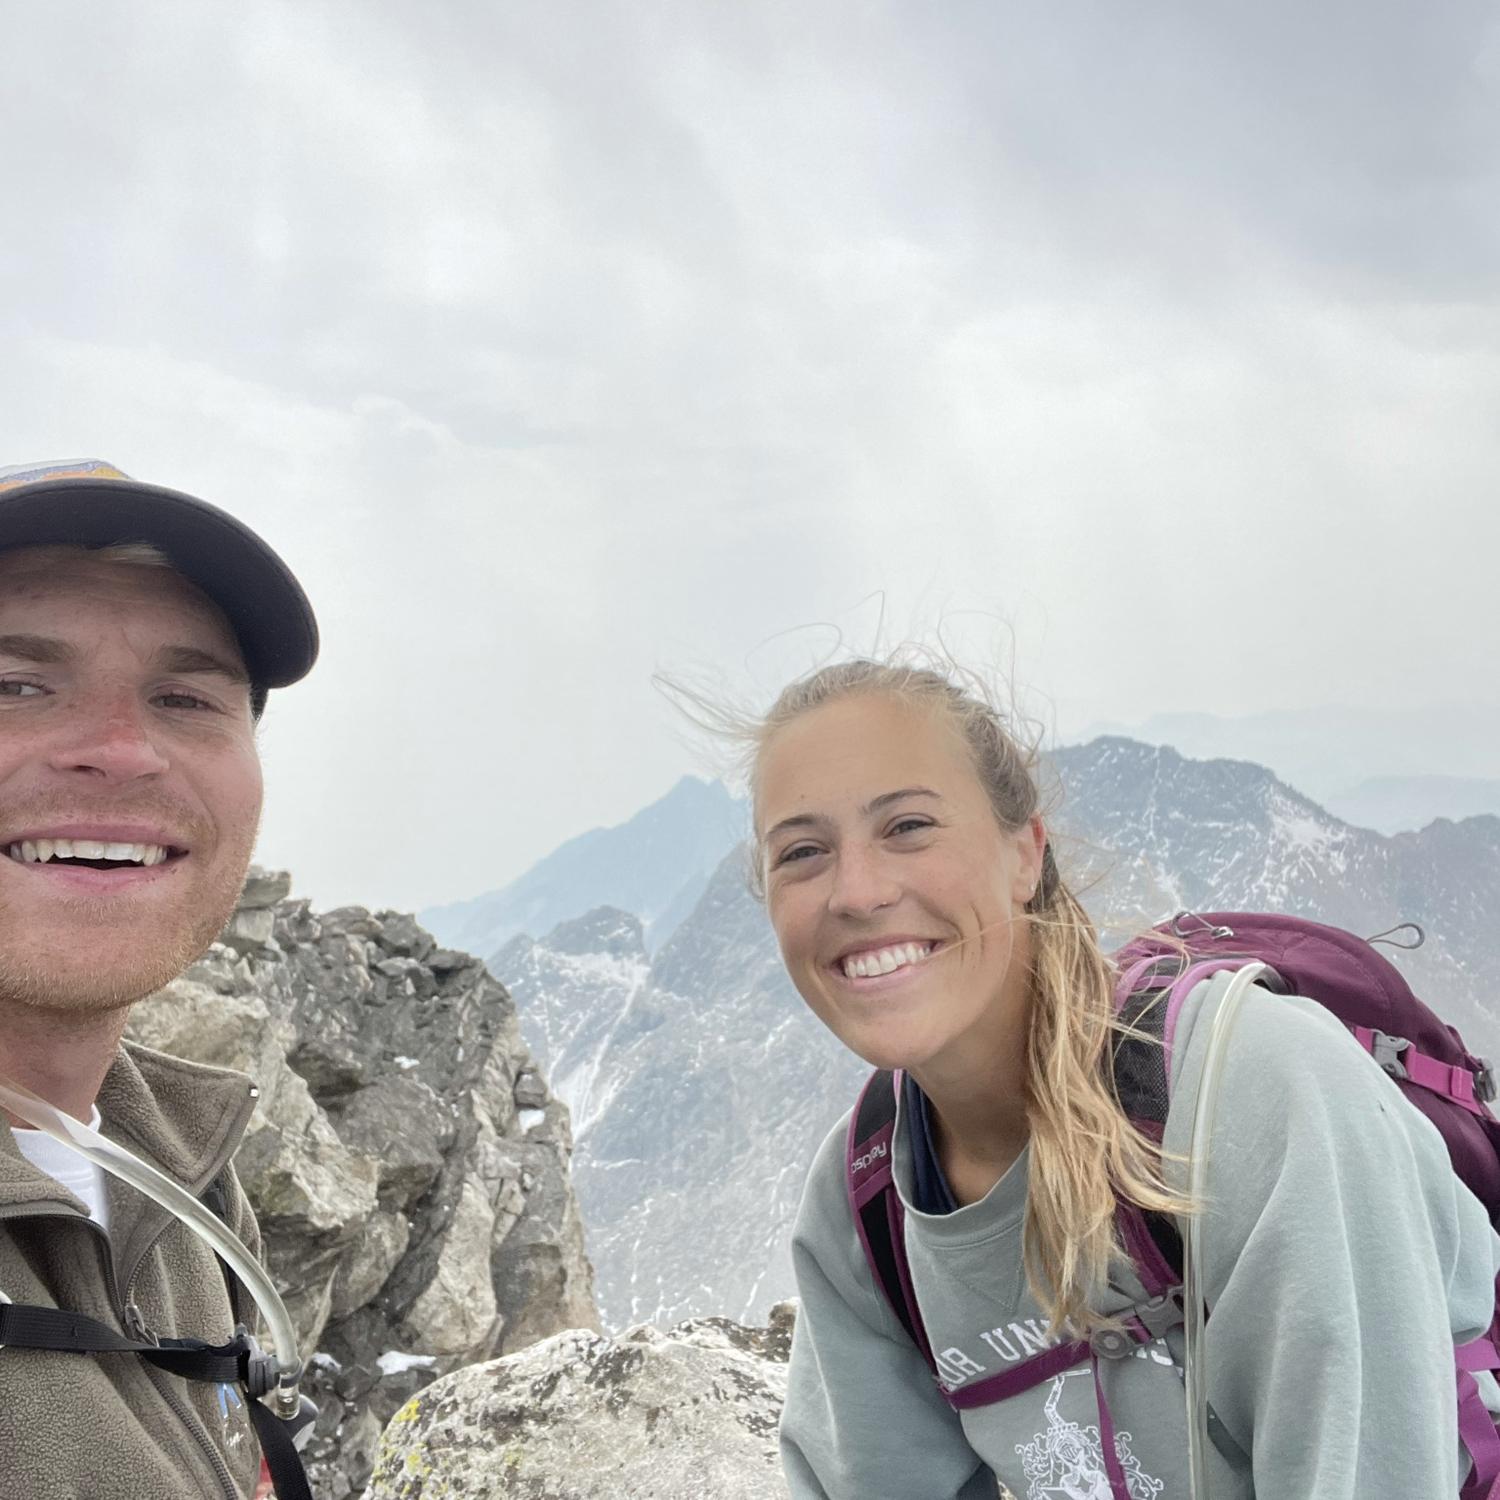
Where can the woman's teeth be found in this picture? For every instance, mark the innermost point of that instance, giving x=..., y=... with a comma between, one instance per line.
x=884, y=960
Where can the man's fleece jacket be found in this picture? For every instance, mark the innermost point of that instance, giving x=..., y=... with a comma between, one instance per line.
x=96, y=1427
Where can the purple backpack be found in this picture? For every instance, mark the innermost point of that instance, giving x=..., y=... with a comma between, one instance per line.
x=1427, y=1059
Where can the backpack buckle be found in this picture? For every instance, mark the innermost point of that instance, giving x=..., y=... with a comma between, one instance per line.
x=1143, y=1324
x=261, y=1369
x=1484, y=1083
x=1387, y=1051
x=1204, y=927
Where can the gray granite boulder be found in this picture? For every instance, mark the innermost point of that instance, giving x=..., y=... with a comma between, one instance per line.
x=660, y=1416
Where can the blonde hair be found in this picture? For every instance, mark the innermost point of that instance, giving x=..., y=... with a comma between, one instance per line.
x=1085, y=1152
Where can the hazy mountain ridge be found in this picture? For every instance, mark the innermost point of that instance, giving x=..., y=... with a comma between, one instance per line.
x=1396, y=804
x=1335, y=753
x=1228, y=834
x=655, y=865
x=702, y=1085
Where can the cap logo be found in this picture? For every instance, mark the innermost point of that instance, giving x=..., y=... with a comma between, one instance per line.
x=81, y=468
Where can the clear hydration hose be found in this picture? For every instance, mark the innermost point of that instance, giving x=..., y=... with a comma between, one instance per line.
x=115, y=1159
x=1194, y=1309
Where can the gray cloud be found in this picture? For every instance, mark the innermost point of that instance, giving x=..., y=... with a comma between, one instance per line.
x=554, y=343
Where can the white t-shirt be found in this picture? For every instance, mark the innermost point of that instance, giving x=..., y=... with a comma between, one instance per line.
x=76, y=1173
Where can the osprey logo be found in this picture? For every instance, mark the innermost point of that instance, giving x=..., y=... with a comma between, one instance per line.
x=876, y=1153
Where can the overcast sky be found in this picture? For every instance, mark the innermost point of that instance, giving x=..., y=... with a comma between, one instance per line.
x=555, y=343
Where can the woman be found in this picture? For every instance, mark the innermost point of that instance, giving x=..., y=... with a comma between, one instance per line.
x=920, y=914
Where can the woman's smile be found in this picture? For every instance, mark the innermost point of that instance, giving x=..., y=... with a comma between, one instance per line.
x=888, y=959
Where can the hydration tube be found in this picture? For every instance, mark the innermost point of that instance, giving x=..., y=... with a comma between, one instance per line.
x=115, y=1159
x=1194, y=1312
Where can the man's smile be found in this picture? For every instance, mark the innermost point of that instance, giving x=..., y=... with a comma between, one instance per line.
x=95, y=854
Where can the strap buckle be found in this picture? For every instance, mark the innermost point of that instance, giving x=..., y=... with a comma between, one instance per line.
x=1204, y=928
x=1484, y=1082
x=1388, y=1051
x=262, y=1371
x=1151, y=1321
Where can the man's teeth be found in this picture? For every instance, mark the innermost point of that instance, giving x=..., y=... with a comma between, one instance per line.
x=40, y=851
x=885, y=960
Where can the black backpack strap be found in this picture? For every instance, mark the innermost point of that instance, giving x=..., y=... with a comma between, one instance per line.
x=878, y=1217
x=278, y=1444
x=27, y=1327
x=1139, y=1076
x=277, y=1436
x=239, y=1362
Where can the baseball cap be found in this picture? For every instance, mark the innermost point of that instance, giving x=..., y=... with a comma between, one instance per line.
x=92, y=504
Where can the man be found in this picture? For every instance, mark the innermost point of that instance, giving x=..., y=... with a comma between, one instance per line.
x=140, y=630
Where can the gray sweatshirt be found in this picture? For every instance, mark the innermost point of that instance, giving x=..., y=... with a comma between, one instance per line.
x=1344, y=1261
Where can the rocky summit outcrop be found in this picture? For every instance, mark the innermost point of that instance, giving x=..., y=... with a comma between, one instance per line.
x=407, y=1162
x=681, y=1415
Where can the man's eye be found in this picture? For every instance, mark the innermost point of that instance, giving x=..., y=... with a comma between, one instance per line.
x=182, y=700
x=12, y=687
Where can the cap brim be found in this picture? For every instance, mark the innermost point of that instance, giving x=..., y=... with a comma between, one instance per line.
x=264, y=603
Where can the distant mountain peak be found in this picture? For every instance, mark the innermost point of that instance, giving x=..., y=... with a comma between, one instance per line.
x=606, y=929
x=1105, y=748
x=653, y=865
x=1241, y=787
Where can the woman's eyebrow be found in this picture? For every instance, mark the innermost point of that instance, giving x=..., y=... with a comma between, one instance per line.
x=885, y=799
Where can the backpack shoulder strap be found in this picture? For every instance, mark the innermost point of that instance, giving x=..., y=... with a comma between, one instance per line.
x=876, y=1207
x=215, y=1197
x=1139, y=1063
x=880, y=1223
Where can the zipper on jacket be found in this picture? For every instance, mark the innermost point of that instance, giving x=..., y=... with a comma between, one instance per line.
x=135, y=1325
x=135, y=1322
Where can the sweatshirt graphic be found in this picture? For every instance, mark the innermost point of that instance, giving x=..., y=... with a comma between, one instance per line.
x=1066, y=1462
